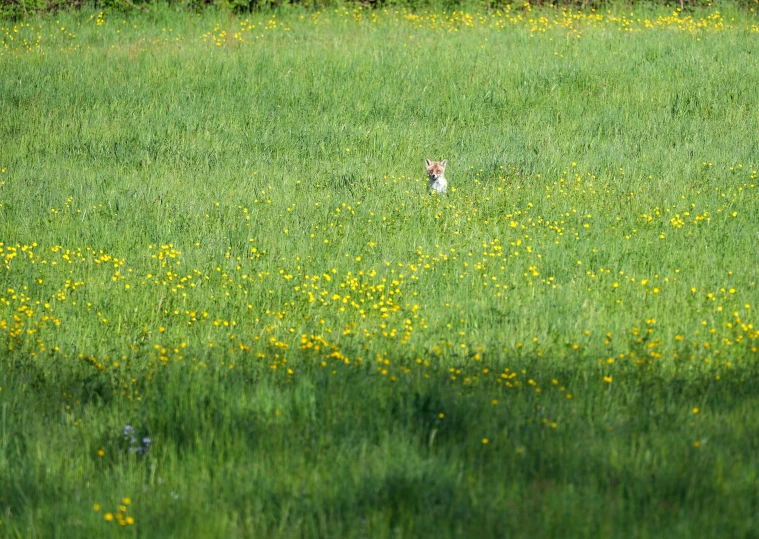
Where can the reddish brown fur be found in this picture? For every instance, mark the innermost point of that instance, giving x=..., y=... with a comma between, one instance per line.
x=436, y=169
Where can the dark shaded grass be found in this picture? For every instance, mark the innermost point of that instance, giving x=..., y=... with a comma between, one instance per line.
x=351, y=453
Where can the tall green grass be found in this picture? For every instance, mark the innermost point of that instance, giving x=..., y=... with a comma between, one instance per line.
x=216, y=235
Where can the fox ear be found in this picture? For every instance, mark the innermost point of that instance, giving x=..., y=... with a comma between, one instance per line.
x=427, y=162
x=443, y=163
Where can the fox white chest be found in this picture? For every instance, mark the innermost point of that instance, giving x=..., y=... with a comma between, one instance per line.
x=439, y=186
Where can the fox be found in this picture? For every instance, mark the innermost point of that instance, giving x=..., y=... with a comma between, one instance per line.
x=435, y=172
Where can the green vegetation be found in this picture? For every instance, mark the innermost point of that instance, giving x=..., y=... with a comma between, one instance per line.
x=229, y=307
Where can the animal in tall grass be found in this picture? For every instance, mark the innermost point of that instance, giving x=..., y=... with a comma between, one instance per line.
x=436, y=174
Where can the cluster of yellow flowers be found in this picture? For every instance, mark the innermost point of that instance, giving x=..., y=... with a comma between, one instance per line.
x=120, y=516
x=247, y=308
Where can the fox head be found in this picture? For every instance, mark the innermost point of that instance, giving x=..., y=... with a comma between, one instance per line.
x=435, y=169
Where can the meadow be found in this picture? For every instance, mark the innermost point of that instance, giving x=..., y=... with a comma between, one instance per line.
x=230, y=308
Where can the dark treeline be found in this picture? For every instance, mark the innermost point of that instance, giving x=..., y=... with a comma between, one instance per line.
x=20, y=9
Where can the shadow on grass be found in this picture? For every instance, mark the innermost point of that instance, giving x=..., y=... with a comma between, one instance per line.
x=348, y=451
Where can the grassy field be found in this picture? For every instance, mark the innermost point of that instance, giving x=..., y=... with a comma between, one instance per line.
x=230, y=308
